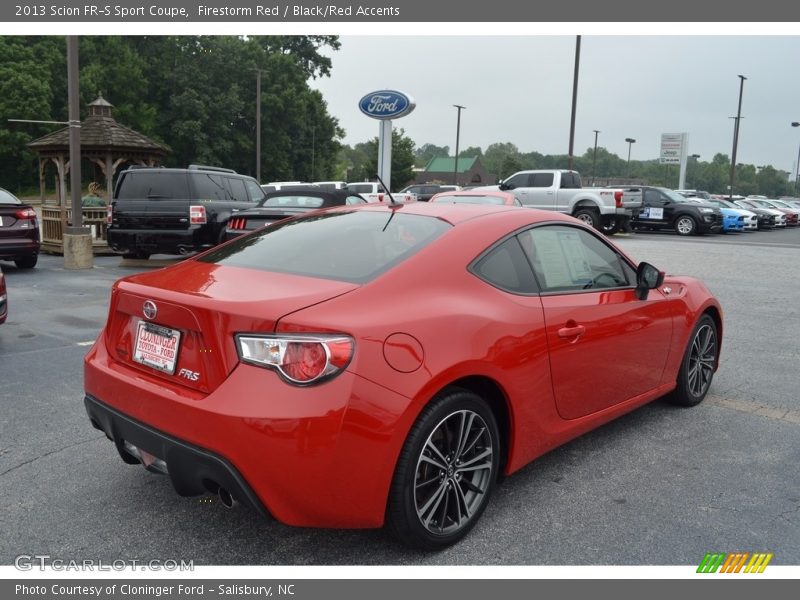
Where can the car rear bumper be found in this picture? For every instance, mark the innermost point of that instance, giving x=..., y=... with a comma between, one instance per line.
x=192, y=470
x=160, y=241
x=16, y=247
x=318, y=456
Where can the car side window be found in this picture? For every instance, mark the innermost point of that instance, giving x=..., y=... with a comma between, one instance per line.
x=567, y=259
x=542, y=180
x=506, y=267
x=209, y=187
x=653, y=197
x=238, y=190
x=254, y=190
x=517, y=181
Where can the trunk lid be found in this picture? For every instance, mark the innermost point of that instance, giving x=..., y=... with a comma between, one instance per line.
x=198, y=307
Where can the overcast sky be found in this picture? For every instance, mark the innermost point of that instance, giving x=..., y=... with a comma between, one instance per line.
x=519, y=89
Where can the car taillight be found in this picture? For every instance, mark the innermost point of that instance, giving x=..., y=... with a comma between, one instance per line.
x=300, y=359
x=618, y=198
x=109, y=215
x=237, y=224
x=25, y=213
x=197, y=215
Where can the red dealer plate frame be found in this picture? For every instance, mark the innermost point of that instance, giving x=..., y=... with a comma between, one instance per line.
x=155, y=348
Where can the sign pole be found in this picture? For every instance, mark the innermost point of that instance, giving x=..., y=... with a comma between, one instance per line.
x=684, y=159
x=385, y=152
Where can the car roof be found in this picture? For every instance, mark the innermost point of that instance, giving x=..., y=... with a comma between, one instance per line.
x=461, y=213
x=316, y=192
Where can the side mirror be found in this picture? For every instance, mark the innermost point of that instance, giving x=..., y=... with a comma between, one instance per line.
x=504, y=186
x=647, y=278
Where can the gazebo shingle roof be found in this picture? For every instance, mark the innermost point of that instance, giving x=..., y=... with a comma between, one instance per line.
x=101, y=130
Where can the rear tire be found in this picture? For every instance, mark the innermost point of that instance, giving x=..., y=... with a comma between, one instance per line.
x=26, y=262
x=590, y=216
x=446, y=472
x=698, y=365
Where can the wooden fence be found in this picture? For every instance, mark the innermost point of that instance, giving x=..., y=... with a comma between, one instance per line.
x=56, y=219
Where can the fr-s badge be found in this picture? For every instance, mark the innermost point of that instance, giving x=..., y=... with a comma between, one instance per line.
x=190, y=375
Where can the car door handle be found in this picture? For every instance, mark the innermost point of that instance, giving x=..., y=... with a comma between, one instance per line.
x=571, y=332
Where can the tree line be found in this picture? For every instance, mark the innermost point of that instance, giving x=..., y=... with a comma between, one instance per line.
x=197, y=95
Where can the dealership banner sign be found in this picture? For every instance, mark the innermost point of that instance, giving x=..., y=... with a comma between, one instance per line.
x=394, y=11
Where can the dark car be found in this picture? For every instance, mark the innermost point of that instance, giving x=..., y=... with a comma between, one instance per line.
x=663, y=208
x=176, y=211
x=287, y=203
x=426, y=191
x=19, y=231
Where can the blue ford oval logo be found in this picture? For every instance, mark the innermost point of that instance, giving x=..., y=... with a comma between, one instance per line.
x=386, y=104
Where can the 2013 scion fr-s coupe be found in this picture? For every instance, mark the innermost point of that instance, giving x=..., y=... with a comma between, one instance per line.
x=384, y=364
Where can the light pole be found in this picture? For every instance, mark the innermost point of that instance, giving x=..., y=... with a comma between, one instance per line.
x=574, y=98
x=630, y=141
x=594, y=154
x=797, y=167
x=459, y=108
x=736, y=136
x=258, y=125
x=695, y=157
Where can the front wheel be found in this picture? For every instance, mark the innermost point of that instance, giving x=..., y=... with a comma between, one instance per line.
x=446, y=472
x=589, y=216
x=699, y=364
x=685, y=225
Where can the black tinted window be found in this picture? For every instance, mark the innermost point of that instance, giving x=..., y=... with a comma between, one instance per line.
x=505, y=267
x=209, y=187
x=238, y=190
x=542, y=180
x=352, y=246
x=518, y=180
x=154, y=184
x=254, y=190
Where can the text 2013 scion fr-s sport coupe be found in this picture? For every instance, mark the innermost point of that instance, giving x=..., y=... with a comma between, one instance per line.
x=386, y=363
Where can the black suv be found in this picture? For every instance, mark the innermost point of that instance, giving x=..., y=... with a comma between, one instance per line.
x=175, y=211
x=663, y=208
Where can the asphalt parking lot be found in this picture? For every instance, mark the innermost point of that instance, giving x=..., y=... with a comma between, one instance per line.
x=660, y=486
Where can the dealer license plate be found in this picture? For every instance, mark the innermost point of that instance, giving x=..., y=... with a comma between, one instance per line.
x=157, y=346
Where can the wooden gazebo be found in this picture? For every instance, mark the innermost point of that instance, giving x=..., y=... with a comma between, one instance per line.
x=107, y=145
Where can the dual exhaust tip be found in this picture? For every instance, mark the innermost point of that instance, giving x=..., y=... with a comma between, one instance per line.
x=226, y=498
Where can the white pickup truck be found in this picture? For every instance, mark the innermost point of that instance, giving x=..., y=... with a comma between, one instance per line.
x=605, y=209
x=375, y=192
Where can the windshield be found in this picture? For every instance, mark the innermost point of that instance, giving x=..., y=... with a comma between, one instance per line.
x=469, y=199
x=8, y=198
x=354, y=246
x=294, y=201
x=726, y=204
x=674, y=196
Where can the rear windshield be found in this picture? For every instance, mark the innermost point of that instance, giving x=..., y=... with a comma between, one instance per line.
x=469, y=199
x=294, y=201
x=353, y=246
x=160, y=184
x=6, y=198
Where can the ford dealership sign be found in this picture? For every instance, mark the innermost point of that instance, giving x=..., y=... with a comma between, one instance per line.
x=386, y=104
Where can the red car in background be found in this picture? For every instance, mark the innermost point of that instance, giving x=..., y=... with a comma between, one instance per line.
x=3, y=299
x=496, y=197
x=286, y=369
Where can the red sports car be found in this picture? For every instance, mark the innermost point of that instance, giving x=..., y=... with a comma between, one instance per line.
x=386, y=363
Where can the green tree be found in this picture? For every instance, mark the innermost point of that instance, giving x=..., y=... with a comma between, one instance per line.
x=426, y=152
x=402, y=159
